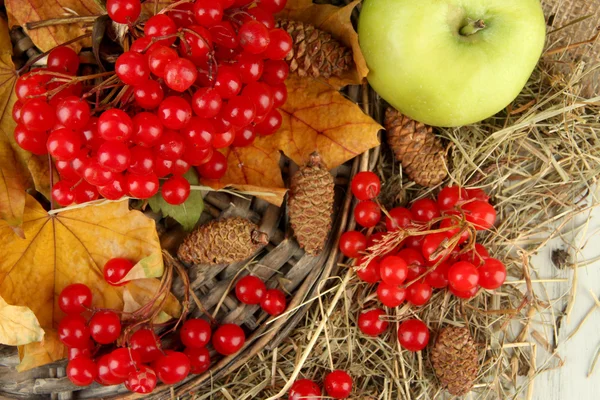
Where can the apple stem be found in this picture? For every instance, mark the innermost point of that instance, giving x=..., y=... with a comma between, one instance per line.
x=472, y=27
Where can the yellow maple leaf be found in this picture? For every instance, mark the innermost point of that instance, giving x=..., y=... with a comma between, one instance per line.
x=18, y=325
x=68, y=247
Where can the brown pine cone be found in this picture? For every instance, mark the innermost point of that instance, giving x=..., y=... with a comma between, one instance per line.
x=310, y=204
x=222, y=242
x=454, y=358
x=315, y=52
x=421, y=154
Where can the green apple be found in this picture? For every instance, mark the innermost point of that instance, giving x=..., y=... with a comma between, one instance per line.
x=450, y=62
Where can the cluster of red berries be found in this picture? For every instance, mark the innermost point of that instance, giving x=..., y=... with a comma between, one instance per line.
x=438, y=250
x=251, y=290
x=205, y=76
x=338, y=385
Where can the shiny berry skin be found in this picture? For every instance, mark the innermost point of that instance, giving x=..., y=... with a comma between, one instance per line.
x=434, y=244
x=105, y=376
x=390, y=295
x=451, y=223
x=371, y=273
x=424, y=210
x=141, y=161
x=367, y=213
x=115, y=189
x=149, y=95
x=250, y=67
x=480, y=213
x=450, y=196
x=214, y=168
x=142, y=186
x=250, y=290
x=394, y=270
x=63, y=144
x=195, y=333
x=244, y=137
x=132, y=68
x=438, y=278
x=180, y=74
x=477, y=194
x=272, y=6
x=270, y=124
x=171, y=368
x=183, y=15
x=62, y=193
x=84, y=192
x=418, y=294
x=399, y=217
x=260, y=15
x=147, y=129
x=352, y=244
x=279, y=46
x=75, y=298
x=208, y=12
x=260, y=95
x=196, y=45
x=141, y=381
x=224, y=35
x=199, y=359
x=146, y=344
x=274, y=302
x=463, y=276
x=198, y=133
x=115, y=124
x=492, y=274
x=73, y=331
x=366, y=185
x=64, y=60
x=161, y=25
x=34, y=142
x=163, y=167
x=371, y=324
x=253, y=37
x=37, y=115
x=158, y=57
x=170, y=146
x=176, y=190
x=304, y=389
x=116, y=269
x=240, y=111
x=174, y=112
x=476, y=256
x=468, y=294
x=413, y=335
x=114, y=156
x=31, y=84
x=228, y=83
x=75, y=352
x=95, y=174
x=279, y=94
x=73, y=113
x=338, y=384
x=206, y=102
x=16, y=111
x=82, y=371
x=123, y=11
x=223, y=140
x=228, y=339
x=123, y=361
x=275, y=72
x=412, y=258
x=105, y=327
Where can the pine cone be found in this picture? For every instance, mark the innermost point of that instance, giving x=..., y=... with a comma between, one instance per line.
x=421, y=154
x=315, y=52
x=310, y=204
x=454, y=358
x=222, y=242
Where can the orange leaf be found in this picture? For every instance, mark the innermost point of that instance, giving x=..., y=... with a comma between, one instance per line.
x=336, y=21
x=68, y=247
x=17, y=167
x=21, y=12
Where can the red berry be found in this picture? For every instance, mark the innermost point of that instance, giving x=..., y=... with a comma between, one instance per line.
x=338, y=384
x=161, y=25
x=132, y=68
x=274, y=302
x=142, y=186
x=249, y=66
x=116, y=269
x=149, y=95
x=451, y=223
x=170, y=146
x=434, y=244
x=146, y=344
x=115, y=124
x=158, y=57
x=244, y=137
x=261, y=97
x=75, y=352
x=75, y=298
x=196, y=44
x=141, y=161
x=73, y=113
x=468, y=294
x=206, y=102
x=214, y=168
x=123, y=361
x=272, y=6
x=450, y=196
x=224, y=35
x=197, y=157
x=369, y=273
x=352, y=244
x=147, y=129
x=73, y=331
x=114, y=190
x=390, y=295
x=85, y=192
x=105, y=327
x=477, y=194
x=240, y=111
x=279, y=94
x=123, y=11
x=16, y=111
x=199, y=359
x=418, y=294
x=399, y=217
x=228, y=82
x=64, y=60
x=270, y=124
x=174, y=112
x=114, y=156
x=253, y=37
x=438, y=278
x=208, y=12
x=37, y=115
x=228, y=339
x=183, y=15
x=367, y=213
x=142, y=380
x=463, y=276
x=480, y=213
x=176, y=190
x=366, y=185
x=304, y=389
x=223, y=140
x=260, y=15
x=492, y=274
x=95, y=174
x=63, y=144
x=275, y=72
x=476, y=256
x=424, y=210
x=250, y=290
x=280, y=45
x=413, y=335
x=393, y=270
x=82, y=371
x=32, y=84
x=195, y=333
x=105, y=376
x=371, y=324
x=34, y=142
x=180, y=74
x=172, y=367
x=62, y=193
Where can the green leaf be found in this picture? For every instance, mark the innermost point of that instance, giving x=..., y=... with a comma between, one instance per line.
x=188, y=213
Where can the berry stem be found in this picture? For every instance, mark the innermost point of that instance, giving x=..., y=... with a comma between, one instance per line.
x=51, y=172
x=61, y=21
x=174, y=5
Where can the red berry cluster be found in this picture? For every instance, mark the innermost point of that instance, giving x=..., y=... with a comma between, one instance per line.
x=204, y=76
x=251, y=290
x=338, y=385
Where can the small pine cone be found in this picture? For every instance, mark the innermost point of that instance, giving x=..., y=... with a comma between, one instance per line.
x=454, y=358
x=421, y=154
x=315, y=52
x=310, y=204
x=222, y=242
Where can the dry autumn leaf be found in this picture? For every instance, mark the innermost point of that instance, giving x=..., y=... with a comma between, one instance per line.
x=71, y=246
x=140, y=292
x=21, y=12
x=18, y=325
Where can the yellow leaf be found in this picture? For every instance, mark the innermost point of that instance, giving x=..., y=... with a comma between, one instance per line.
x=50, y=349
x=148, y=267
x=142, y=291
x=21, y=12
x=336, y=21
x=18, y=325
x=70, y=247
